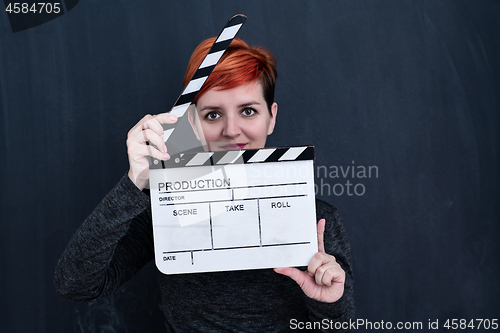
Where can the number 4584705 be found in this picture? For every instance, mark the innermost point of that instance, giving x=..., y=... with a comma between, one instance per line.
x=41, y=7
x=461, y=324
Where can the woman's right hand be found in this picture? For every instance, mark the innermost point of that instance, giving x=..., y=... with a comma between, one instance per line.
x=148, y=129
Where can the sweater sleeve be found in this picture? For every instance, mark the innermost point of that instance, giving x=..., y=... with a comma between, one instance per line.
x=336, y=244
x=111, y=246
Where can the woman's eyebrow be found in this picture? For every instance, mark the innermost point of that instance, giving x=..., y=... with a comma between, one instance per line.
x=215, y=108
x=210, y=108
x=248, y=104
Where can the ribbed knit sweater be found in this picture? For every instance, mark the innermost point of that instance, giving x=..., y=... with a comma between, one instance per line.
x=116, y=241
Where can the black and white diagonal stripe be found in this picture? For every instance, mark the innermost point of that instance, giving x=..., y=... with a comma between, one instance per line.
x=238, y=157
x=206, y=67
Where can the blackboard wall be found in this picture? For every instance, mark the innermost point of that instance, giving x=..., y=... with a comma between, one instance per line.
x=408, y=88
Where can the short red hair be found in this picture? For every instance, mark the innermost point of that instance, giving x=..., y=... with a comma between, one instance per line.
x=240, y=64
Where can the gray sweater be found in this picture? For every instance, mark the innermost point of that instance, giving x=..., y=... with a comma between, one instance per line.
x=116, y=241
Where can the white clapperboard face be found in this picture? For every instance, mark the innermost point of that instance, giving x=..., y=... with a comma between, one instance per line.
x=233, y=210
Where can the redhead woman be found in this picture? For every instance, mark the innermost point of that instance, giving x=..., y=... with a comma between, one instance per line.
x=235, y=109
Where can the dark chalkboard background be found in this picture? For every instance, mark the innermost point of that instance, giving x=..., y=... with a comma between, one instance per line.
x=409, y=87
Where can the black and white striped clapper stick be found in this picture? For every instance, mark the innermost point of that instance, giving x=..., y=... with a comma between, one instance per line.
x=204, y=70
x=221, y=158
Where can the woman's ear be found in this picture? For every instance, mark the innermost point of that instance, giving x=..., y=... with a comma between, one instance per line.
x=272, y=122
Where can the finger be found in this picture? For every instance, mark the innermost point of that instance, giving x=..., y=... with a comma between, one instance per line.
x=137, y=145
x=325, y=273
x=318, y=260
x=138, y=151
x=154, y=125
x=151, y=132
x=295, y=274
x=163, y=118
x=139, y=126
x=321, y=231
x=147, y=136
x=327, y=277
x=166, y=118
x=333, y=275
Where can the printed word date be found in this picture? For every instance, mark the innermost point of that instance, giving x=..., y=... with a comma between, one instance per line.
x=473, y=324
x=36, y=8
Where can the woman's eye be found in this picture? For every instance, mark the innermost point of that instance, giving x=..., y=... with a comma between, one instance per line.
x=248, y=112
x=212, y=115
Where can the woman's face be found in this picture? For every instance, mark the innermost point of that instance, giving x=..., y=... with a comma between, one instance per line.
x=233, y=119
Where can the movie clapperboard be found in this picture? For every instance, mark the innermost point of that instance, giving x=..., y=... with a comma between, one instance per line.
x=231, y=210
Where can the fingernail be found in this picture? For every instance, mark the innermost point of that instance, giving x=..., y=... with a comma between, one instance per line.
x=166, y=157
x=161, y=136
x=310, y=274
x=165, y=149
x=172, y=117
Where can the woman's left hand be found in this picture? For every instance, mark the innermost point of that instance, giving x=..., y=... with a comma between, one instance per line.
x=324, y=278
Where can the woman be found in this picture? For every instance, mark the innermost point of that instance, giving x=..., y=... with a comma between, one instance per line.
x=235, y=109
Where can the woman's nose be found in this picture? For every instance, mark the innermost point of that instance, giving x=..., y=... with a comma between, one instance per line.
x=231, y=127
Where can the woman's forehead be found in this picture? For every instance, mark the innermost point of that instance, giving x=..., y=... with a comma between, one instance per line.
x=248, y=93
